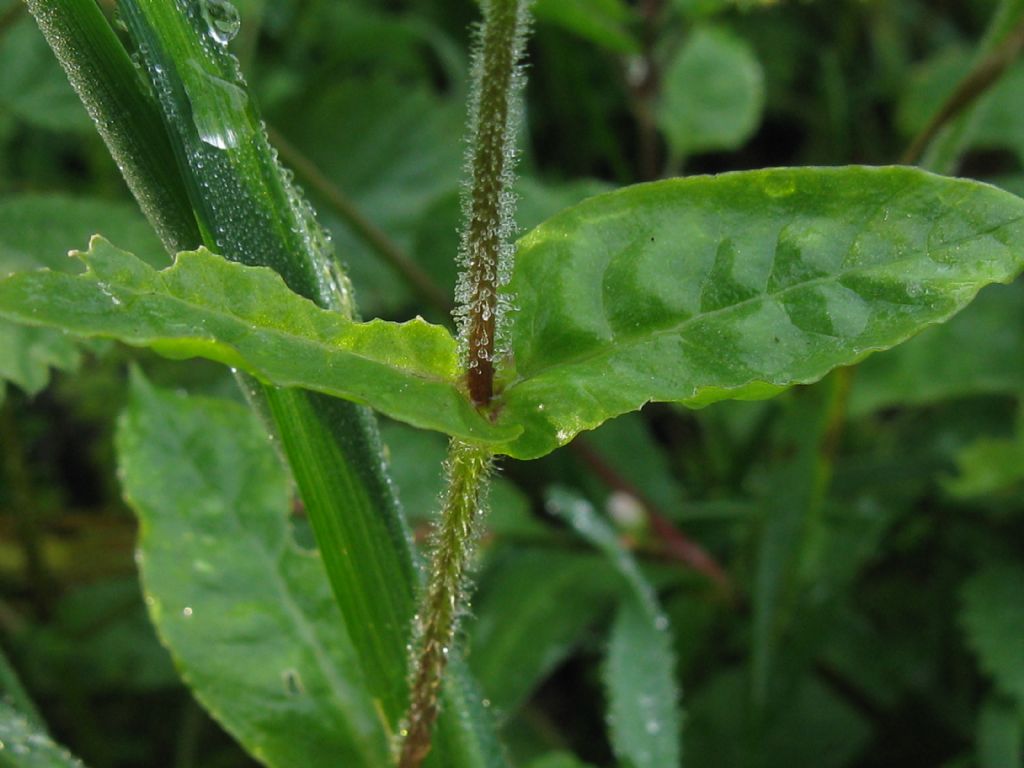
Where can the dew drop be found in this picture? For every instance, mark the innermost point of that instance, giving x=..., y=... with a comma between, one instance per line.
x=218, y=108
x=222, y=19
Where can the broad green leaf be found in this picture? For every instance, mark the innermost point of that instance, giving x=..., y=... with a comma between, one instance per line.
x=23, y=744
x=28, y=354
x=738, y=286
x=993, y=618
x=1000, y=735
x=643, y=710
x=712, y=93
x=246, y=317
x=247, y=614
x=605, y=22
x=35, y=231
x=987, y=336
x=525, y=625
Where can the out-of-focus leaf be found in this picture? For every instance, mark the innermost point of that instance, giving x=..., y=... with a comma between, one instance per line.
x=993, y=619
x=814, y=729
x=712, y=93
x=23, y=744
x=99, y=639
x=37, y=231
x=436, y=239
x=558, y=760
x=639, y=675
x=533, y=609
x=988, y=466
x=13, y=693
x=791, y=537
x=605, y=22
x=205, y=306
x=34, y=88
x=416, y=458
x=247, y=614
x=1000, y=739
x=996, y=120
x=395, y=154
x=986, y=336
x=737, y=286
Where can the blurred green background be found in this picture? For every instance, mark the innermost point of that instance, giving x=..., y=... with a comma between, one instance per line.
x=861, y=600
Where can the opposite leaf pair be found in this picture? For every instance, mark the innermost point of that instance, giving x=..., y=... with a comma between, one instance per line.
x=692, y=291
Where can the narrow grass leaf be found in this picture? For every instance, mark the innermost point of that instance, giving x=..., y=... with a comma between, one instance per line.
x=639, y=675
x=222, y=573
x=246, y=317
x=738, y=286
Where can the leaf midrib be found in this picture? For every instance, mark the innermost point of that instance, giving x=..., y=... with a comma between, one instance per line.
x=133, y=295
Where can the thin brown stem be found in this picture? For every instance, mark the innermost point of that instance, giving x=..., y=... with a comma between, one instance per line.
x=374, y=237
x=971, y=88
x=677, y=544
x=485, y=241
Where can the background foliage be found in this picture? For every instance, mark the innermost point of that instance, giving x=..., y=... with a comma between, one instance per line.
x=856, y=600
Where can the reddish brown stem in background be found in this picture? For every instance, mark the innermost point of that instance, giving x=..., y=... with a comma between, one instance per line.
x=677, y=544
x=974, y=85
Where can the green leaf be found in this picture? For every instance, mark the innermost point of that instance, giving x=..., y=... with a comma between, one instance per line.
x=246, y=317
x=605, y=22
x=712, y=94
x=558, y=760
x=524, y=626
x=24, y=745
x=993, y=618
x=13, y=693
x=34, y=88
x=643, y=709
x=247, y=614
x=738, y=286
x=393, y=156
x=1000, y=734
x=35, y=231
x=988, y=336
x=988, y=466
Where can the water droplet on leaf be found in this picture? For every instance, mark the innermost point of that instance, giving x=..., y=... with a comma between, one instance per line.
x=222, y=19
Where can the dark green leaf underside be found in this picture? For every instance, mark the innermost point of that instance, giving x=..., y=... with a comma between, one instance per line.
x=737, y=286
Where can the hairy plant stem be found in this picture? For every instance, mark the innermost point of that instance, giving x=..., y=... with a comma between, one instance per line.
x=489, y=224
x=485, y=255
x=454, y=541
